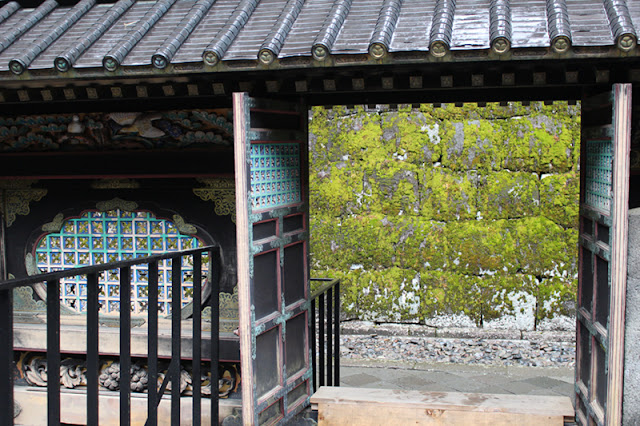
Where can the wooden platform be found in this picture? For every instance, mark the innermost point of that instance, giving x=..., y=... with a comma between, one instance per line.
x=32, y=403
x=360, y=406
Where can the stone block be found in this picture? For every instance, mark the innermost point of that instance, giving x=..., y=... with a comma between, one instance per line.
x=448, y=196
x=559, y=195
x=507, y=195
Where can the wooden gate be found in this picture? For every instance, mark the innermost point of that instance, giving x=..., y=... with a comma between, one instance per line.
x=606, y=128
x=271, y=172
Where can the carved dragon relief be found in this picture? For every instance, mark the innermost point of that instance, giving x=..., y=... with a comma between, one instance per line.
x=222, y=192
x=16, y=196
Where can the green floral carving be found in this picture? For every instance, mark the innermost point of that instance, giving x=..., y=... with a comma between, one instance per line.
x=55, y=225
x=183, y=227
x=23, y=301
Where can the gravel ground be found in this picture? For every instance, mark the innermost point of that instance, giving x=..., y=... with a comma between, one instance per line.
x=544, y=350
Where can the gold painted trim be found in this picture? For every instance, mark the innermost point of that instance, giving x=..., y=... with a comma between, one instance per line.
x=16, y=198
x=223, y=194
x=117, y=203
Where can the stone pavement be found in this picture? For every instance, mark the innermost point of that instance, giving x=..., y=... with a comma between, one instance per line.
x=442, y=377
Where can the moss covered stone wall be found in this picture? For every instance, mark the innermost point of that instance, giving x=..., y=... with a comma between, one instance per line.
x=451, y=210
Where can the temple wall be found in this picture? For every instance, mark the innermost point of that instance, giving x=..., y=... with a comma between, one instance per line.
x=631, y=401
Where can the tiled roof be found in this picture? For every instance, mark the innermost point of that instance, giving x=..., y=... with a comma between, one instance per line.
x=164, y=34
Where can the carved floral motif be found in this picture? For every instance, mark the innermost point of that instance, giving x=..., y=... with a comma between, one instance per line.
x=227, y=311
x=16, y=197
x=119, y=130
x=223, y=194
x=115, y=184
x=115, y=204
x=72, y=375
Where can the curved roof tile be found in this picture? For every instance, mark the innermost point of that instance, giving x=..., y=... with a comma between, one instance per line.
x=116, y=55
x=65, y=60
x=500, y=25
x=8, y=10
x=164, y=54
x=274, y=33
x=385, y=27
x=34, y=17
x=622, y=27
x=442, y=27
x=215, y=51
x=18, y=64
x=273, y=43
x=331, y=27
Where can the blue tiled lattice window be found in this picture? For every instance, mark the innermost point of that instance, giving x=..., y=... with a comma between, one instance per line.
x=275, y=175
x=100, y=237
x=599, y=174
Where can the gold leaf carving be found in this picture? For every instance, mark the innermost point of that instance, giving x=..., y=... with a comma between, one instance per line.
x=117, y=203
x=222, y=192
x=16, y=196
x=228, y=311
x=115, y=184
x=229, y=305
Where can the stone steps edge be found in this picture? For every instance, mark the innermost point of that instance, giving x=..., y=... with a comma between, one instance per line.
x=365, y=328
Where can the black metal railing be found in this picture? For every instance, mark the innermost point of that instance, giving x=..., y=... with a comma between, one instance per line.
x=325, y=333
x=52, y=280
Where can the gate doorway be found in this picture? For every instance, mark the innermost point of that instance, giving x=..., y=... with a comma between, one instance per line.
x=602, y=263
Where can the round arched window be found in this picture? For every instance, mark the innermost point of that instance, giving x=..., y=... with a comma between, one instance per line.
x=98, y=237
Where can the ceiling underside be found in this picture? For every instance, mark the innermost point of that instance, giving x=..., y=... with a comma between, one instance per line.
x=170, y=38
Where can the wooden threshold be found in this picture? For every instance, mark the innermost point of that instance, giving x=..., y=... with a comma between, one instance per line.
x=359, y=406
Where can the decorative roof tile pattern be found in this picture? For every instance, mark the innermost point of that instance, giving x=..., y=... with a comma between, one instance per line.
x=104, y=37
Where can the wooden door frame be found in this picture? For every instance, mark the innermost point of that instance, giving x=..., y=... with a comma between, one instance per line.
x=622, y=144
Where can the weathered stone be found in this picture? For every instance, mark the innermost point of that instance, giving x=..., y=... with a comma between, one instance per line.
x=508, y=195
x=558, y=198
x=451, y=198
x=446, y=195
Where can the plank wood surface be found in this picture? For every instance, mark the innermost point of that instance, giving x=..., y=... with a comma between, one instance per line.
x=359, y=406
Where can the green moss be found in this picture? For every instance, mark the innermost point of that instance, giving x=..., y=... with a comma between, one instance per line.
x=508, y=195
x=553, y=296
x=474, y=204
x=479, y=297
x=477, y=247
x=559, y=198
x=447, y=195
x=392, y=188
x=543, y=247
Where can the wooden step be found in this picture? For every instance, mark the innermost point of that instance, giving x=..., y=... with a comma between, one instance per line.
x=361, y=406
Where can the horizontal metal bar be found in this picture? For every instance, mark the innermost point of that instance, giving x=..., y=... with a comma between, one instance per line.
x=57, y=275
x=332, y=282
